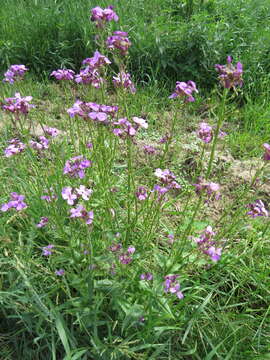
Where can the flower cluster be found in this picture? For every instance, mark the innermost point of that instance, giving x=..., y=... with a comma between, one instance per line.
x=229, y=75
x=14, y=73
x=47, y=250
x=125, y=128
x=167, y=178
x=149, y=150
x=40, y=145
x=123, y=80
x=97, y=61
x=89, y=76
x=81, y=212
x=209, y=187
x=171, y=285
x=16, y=202
x=50, y=197
x=206, y=244
x=93, y=111
x=126, y=257
x=205, y=132
x=75, y=167
x=42, y=222
x=18, y=104
x=53, y=132
x=119, y=41
x=146, y=276
x=185, y=90
x=101, y=16
x=15, y=147
x=257, y=209
x=63, y=74
x=71, y=195
x=141, y=193
x=266, y=155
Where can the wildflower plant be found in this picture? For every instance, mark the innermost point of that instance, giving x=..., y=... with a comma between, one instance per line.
x=125, y=244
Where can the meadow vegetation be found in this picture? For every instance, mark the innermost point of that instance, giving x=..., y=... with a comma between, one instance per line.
x=134, y=213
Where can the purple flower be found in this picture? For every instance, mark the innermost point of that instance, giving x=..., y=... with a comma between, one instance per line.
x=230, y=76
x=122, y=80
x=84, y=192
x=257, y=209
x=119, y=41
x=69, y=195
x=167, y=178
x=150, y=150
x=115, y=247
x=47, y=250
x=14, y=73
x=164, y=139
x=80, y=212
x=18, y=104
x=89, y=145
x=205, y=132
x=93, y=111
x=185, y=90
x=146, y=276
x=141, y=193
x=63, y=74
x=60, y=272
x=53, y=132
x=125, y=259
x=131, y=250
x=42, y=222
x=89, y=76
x=171, y=285
x=96, y=61
x=16, y=202
x=50, y=197
x=209, y=187
x=43, y=144
x=101, y=16
x=171, y=239
x=75, y=167
x=266, y=155
x=15, y=147
x=206, y=244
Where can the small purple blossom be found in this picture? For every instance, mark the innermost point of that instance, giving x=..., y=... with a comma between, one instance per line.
x=149, y=150
x=75, y=167
x=171, y=285
x=97, y=112
x=115, y=247
x=53, y=132
x=230, y=76
x=266, y=155
x=14, y=73
x=81, y=212
x=119, y=41
x=131, y=250
x=146, y=276
x=206, y=244
x=42, y=222
x=101, y=16
x=47, y=250
x=209, y=187
x=185, y=90
x=63, y=74
x=40, y=145
x=60, y=272
x=257, y=209
x=16, y=202
x=167, y=178
x=89, y=76
x=18, y=104
x=96, y=61
x=205, y=132
x=123, y=80
x=15, y=147
x=141, y=193
x=51, y=195
x=69, y=195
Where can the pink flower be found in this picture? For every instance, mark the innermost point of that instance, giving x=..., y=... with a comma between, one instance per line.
x=267, y=152
x=185, y=90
